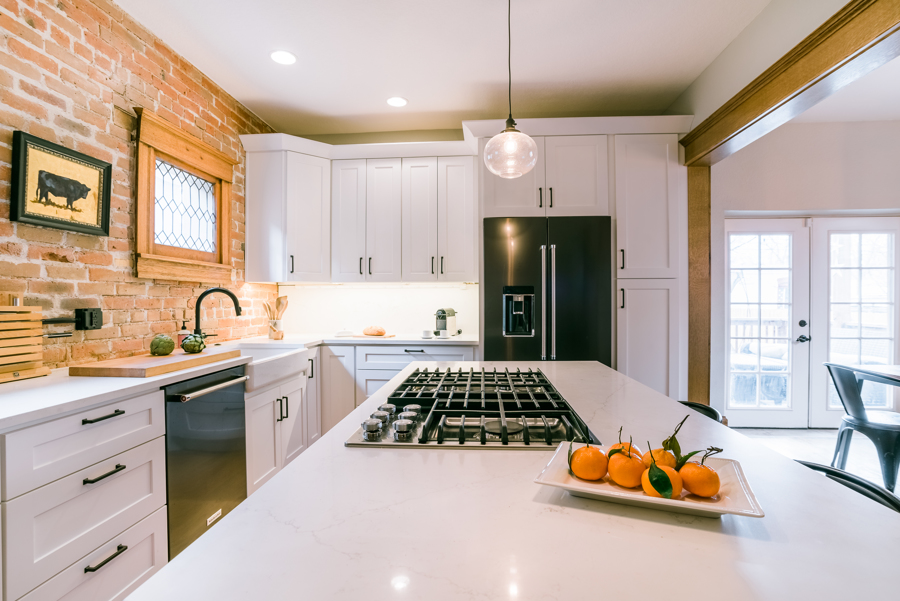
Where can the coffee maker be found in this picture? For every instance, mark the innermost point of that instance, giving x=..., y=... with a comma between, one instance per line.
x=446, y=320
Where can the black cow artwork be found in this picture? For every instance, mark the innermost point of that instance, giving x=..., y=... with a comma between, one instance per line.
x=57, y=185
x=53, y=186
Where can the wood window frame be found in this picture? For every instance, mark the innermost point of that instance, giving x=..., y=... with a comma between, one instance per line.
x=159, y=139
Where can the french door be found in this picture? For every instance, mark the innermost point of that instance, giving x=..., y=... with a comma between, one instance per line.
x=767, y=314
x=801, y=292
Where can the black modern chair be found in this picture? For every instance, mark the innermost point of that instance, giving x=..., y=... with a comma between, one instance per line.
x=710, y=412
x=881, y=427
x=863, y=487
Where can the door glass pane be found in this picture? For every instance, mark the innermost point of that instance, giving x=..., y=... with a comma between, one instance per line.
x=760, y=314
x=861, y=329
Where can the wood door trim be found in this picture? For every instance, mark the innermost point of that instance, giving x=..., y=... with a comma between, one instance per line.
x=699, y=288
x=862, y=36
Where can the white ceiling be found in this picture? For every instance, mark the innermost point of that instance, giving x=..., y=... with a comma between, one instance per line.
x=571, y=58
x=873, y=97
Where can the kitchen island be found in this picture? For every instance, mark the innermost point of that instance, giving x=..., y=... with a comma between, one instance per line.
x=460, y=523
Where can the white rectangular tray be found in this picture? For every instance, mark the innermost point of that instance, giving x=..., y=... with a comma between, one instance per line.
x=735, y=496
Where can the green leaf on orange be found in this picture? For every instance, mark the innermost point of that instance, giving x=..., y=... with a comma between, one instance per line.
x=660, y=481
x=682, y=460
x=614, y=451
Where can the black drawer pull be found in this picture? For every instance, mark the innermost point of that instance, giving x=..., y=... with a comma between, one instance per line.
x=407, y=350
x=312, y=369
x=115, y=413
x=287, y=407
x=119, y=467
x=119, y=550
x=280, y=409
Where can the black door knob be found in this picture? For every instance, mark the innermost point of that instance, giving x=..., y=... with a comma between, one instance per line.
x=802, y=323
x=803, y=338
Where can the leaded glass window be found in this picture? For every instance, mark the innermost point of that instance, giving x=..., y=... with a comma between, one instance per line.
x=185, y=209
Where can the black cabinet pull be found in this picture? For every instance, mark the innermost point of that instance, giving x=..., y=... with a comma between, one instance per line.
x=370, y=265
x=115, y=413
x=287, y=407
x=551, y=197
x=540, y=198
x=623, y=258
x=119, y=467
x=412, y=350
x=119, y=550
x=623, y=298
x=442, y=265
x=292, y=263
x=312, y=369
x=432, y=265
x=280, y=409
x=360, y=266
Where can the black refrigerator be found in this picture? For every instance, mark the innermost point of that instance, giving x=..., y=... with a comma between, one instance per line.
x=547, y=289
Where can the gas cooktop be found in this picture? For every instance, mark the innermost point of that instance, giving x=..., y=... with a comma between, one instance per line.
x=473, y=409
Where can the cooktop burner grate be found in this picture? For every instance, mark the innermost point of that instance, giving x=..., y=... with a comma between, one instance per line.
x=490, y=407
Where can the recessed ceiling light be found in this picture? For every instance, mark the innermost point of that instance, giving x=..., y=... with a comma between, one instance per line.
x=397, y=101
x=283, y=57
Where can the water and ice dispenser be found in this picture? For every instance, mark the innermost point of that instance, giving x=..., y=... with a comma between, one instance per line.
x=518, y=311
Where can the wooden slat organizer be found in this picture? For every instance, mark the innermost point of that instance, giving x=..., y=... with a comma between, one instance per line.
x=21, y=348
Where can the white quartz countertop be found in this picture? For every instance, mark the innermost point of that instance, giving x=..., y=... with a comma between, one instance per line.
x=448, y=524
x=415, y=338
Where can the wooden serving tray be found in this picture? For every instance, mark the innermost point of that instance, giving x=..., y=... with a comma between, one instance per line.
x=145, y=366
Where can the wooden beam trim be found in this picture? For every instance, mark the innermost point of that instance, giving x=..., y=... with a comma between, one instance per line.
x=854, y=30
x=699, y=287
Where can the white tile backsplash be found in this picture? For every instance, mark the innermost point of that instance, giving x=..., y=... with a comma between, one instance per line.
x=398, y=308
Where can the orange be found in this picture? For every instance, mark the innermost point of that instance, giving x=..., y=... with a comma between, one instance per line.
x=662, y=458
x=674, y=478
x=625, y=470
x=700, y=480
x=627, y=446
x=589, y=463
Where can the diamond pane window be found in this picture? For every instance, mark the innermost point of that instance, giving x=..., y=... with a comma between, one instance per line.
x=185, y=209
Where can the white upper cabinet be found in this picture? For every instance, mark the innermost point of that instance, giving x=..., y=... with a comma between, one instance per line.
x=308, y=224
x=577, y=176
x=456, y=220
x=383, y=209
x=348, y=220
x=649, y=196
x=524, y=196
x=288, y=213
x=420, y=218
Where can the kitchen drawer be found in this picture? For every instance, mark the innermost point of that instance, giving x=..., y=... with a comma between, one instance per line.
x=145, y=553
x=398, y=357
x=40, y=454
x=370, y=381
x=49, y=528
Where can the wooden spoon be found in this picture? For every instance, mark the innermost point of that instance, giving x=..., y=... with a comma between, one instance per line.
x=269, y=310
x=281, y=304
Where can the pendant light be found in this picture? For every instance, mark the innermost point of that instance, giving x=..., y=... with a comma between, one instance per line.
x=510, y=154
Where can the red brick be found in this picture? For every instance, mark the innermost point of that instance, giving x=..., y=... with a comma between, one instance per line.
x=29, y=54
x=19, y=270
x=35, y=128
x=131, y=289
x=51, y=253
x=20, y=103
x=84, y=241
x=134, y=345
x=98, y=274
x=163, y=327
x=42, y=95
x=72, y=126
x=119, y=245
x=89, y=350
x=95, y=258
x=10, y=248
x=20, y=30
x=135, y=329
x=72, y=92
x=50, y=288
x=117, y=302
x=90, y=288
x=106, y=332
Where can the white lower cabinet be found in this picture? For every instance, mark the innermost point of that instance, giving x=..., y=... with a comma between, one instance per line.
x=313, y=398
x=275, y=430
x=376, y=365
x=113, y=570
x=370, y=381
x=55, y=525
x=338, y=385
x=648, y=333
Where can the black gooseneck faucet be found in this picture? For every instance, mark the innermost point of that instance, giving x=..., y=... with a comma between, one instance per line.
x=204, y=294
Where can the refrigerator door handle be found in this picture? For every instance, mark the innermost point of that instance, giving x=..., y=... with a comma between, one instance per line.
x=552, y=300
x=544, y=303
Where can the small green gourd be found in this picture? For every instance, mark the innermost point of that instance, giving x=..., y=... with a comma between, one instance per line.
x=193, y=343
x=161, y=345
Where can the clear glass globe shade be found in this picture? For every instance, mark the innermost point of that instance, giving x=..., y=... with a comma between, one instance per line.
x=510, y=154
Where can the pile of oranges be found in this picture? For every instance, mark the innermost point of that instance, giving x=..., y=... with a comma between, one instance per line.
x=662, y=472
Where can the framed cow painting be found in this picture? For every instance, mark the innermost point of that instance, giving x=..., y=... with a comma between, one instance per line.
x=56, y=187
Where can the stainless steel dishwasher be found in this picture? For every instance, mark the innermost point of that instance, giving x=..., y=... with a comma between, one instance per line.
x=206, y=456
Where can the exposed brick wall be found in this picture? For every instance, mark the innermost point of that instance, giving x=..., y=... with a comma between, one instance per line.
x=71, y=72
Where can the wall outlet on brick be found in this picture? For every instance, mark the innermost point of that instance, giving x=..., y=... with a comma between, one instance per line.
x=88, y=319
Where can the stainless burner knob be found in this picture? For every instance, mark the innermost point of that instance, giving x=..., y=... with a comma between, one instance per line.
x=371, y=429
x=408, y=415
x=417, y=409
x=388, y=408
x=382, y=416
x=404, y=430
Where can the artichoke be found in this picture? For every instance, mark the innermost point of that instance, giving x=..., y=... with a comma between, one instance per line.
x=193, y=343
x=161, y=345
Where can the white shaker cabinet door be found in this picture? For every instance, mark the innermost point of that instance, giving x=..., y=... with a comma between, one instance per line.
x=525, y=196
x=293, y=419
x=420, y=219
x=383, y=220
x=338, y=385
x=651, y=190
x=456, y=220
x=577, y=176
x=308, y=218
x=313, y=404
x=370, y=381
x=265, y=259
x=348, y=220
x=264, y=451
x=648, y=333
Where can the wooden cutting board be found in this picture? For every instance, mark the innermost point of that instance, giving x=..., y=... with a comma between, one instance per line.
x=145, y=366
